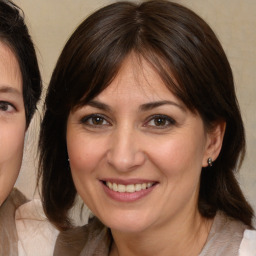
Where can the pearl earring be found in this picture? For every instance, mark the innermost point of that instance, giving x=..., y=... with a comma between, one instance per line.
x=209, y=161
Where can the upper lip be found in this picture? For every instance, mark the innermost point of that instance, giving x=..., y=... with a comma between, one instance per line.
x=128, y=181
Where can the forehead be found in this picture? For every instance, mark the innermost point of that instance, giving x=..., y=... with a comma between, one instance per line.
x=137, y=79
x=10, y=74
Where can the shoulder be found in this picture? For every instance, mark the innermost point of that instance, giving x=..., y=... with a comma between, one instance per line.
x=36, y=235
x=248, y=244
x=14, y=200
x=85, y=240
x=225, y=236
x=8, y=233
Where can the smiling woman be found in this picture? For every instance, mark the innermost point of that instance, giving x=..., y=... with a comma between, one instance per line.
x=145, y=126
x=20, y=89
x=144, y=148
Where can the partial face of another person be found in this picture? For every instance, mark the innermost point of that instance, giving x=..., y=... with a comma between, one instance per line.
x=136, y=152
x=12, y=120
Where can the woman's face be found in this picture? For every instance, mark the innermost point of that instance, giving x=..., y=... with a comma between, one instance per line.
x=12, y=120
x=136, y=152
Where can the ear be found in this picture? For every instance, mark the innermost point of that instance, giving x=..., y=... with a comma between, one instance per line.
x=214, y=142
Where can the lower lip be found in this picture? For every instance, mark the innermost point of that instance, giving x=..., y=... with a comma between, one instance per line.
x=125, y=196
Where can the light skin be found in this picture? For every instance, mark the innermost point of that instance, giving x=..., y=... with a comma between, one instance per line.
x=136, y=131
x=12, y=121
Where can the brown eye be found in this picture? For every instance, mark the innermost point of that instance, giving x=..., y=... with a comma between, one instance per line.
x=97, y=120
x=6, y=107
x=160, y=121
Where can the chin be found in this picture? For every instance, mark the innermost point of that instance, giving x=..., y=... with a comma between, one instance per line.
x=127, y=223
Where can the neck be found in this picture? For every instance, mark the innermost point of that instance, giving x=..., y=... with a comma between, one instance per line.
x=174, y=238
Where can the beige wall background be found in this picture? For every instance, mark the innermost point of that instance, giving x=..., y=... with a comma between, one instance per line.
x=51, y=22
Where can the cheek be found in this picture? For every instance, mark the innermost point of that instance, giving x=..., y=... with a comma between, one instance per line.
x=11, y=151
x=178, y=161
x=178, y=155
x=84, y=153
x=12, y=142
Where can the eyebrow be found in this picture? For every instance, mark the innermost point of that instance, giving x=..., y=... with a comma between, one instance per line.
x=143, y=107
x=99, y=105
x=9, y=89
x=155, y=104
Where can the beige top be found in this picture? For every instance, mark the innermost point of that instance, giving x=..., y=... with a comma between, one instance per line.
x=36, y=235
x=95, y=239
x=24, y=229
x=8, y=232
x=224, y=238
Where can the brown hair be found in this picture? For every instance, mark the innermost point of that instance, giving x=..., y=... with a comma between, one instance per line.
x=177, y=43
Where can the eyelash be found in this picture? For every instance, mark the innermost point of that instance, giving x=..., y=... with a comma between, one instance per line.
x=4, y=105
x=167, y=121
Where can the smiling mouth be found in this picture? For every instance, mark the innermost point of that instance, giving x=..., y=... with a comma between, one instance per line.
x=130, y=188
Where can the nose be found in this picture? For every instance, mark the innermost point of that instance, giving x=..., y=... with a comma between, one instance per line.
x=125, y=152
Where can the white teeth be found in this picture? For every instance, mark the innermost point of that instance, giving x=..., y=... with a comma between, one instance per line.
x=115, y=187
x=120, y=188
x=150, y=184
x=131, y=188
x=138, y=187
x=109, y=185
